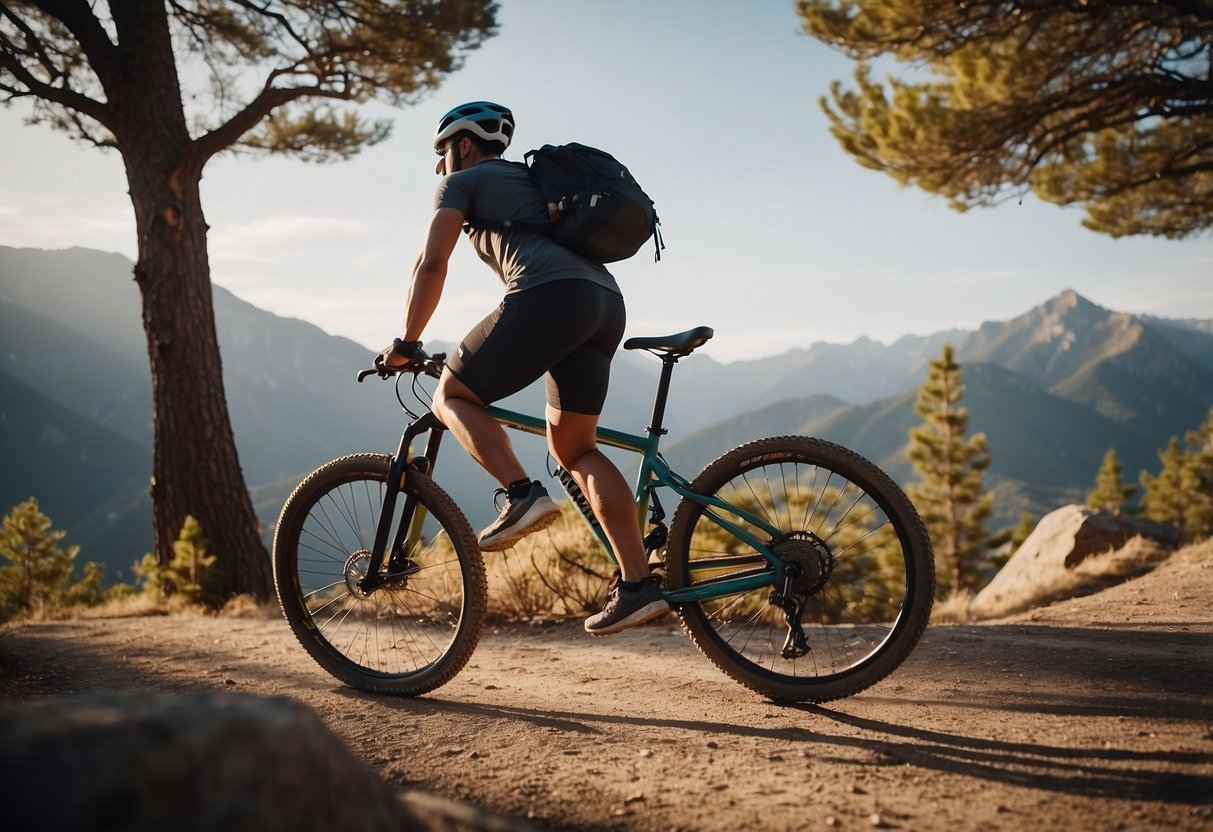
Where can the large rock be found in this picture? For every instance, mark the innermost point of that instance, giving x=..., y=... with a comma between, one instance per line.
x=1074, y=551
x=199, y=761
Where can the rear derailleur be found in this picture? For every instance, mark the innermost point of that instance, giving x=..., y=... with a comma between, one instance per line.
x=792, y=604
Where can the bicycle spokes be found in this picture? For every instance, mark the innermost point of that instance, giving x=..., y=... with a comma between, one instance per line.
x=839, y=574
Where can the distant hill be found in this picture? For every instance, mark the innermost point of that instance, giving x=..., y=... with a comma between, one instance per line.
x=87, y=478
x=1045, y=449
x=1052, y=389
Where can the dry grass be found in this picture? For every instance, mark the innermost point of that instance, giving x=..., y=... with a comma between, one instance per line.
x=246, y=606
x=138, y=605
x=558, y=573
x=1094, y=573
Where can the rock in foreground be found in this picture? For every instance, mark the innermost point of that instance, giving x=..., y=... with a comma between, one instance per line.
x=149, y=760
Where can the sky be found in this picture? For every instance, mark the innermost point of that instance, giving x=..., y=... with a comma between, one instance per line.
x=775, y=237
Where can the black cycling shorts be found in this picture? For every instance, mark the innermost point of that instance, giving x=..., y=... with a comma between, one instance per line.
x=568, y=329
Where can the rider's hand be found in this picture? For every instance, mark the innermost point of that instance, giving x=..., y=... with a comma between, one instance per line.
x=397, y=355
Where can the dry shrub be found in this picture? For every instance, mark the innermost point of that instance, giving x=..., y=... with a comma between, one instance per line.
x=134, y=605
x=560, y=572
x=1136, y=557
x=246, y=606
x=140, y=605
x=957, y=608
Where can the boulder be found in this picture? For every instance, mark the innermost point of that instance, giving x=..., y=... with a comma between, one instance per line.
x=1074, y=551
x=195, y=761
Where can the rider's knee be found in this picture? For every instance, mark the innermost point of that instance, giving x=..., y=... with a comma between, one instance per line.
x=569, y=450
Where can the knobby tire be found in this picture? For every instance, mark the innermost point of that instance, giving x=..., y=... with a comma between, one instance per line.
x=868, y=570
x=406, y=638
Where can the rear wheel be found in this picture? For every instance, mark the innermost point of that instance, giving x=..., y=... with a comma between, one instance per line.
x=856, y=569
x=415, y=631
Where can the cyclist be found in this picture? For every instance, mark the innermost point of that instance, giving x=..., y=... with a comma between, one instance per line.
x=561, y=315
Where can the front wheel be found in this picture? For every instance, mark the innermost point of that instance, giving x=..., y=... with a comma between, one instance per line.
x=414, y=631
x=855, y=569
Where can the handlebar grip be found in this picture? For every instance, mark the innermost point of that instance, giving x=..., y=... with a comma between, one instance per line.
x=430, y=365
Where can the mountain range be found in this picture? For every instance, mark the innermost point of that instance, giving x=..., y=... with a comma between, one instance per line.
x=1052, y=389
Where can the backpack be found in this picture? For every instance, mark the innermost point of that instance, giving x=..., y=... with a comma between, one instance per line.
x=595, y=208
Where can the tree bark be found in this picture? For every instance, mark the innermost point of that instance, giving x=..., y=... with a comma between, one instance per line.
x=195, y=467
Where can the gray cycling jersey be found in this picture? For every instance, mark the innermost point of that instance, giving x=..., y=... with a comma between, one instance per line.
x=497, y=191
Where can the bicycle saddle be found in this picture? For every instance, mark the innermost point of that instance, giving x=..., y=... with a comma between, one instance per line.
x=682, y=343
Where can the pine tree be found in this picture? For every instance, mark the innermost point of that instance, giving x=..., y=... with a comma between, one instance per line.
x=1110, y=492
x=1163, y=497
x=1198, y=482
x=1102, y=104
x=950, y=495
x=39, y=570
x=191, y=575
x=191, y=572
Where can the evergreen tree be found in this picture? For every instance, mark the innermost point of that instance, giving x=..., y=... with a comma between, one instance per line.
x=149, y=577
x=191, y=573
x=39, y=570
x=170, y=85
x=950, y=496
x=1163, y=496
x=1098, y=103
x=1198, y=482
x=190, y=576
x=1110, y=493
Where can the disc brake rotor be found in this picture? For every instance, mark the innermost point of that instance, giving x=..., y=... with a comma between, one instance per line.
x=356, y=567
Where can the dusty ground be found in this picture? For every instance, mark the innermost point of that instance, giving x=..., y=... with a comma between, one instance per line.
x=1096, y=713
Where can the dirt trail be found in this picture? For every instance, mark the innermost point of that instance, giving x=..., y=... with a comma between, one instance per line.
x=1096, y=713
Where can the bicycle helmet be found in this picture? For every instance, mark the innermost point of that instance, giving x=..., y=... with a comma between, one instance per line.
x=489, y=121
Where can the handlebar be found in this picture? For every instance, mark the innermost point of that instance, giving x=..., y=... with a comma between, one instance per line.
x=421, y=364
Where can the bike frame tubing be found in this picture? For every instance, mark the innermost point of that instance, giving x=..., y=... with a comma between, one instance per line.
x=655, y=472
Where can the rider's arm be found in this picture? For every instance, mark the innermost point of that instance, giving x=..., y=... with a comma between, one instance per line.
x=429, y=273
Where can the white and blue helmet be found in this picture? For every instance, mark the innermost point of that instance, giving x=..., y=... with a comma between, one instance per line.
x=489, y=121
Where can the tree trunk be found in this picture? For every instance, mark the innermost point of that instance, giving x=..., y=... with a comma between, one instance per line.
x=195, y=468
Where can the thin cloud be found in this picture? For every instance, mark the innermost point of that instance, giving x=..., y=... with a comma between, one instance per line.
x=41, y=223
x=267, y=239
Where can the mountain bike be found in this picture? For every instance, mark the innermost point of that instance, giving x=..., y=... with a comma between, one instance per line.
x=798, y=567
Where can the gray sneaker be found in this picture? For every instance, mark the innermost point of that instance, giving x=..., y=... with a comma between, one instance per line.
x=627, y=609
x=519, y=518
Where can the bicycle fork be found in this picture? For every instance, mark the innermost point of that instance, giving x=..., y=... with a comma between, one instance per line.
x=408, y=528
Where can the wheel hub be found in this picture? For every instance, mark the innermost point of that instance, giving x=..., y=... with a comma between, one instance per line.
x=357, y=567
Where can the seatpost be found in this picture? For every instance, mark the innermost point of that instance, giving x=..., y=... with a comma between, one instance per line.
x=663, y=392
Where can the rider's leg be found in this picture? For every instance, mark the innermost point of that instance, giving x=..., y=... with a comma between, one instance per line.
x=572, y=441
x=482, y=437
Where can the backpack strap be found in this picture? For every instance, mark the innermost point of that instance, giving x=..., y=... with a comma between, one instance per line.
x=539, y=223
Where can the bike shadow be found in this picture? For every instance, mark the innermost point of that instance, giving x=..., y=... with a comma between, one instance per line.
x=1108, y=772
x=1111, y=772
x=940, y=712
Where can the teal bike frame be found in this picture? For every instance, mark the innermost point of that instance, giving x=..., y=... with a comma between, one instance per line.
x=655, y=472
x=767, y=568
